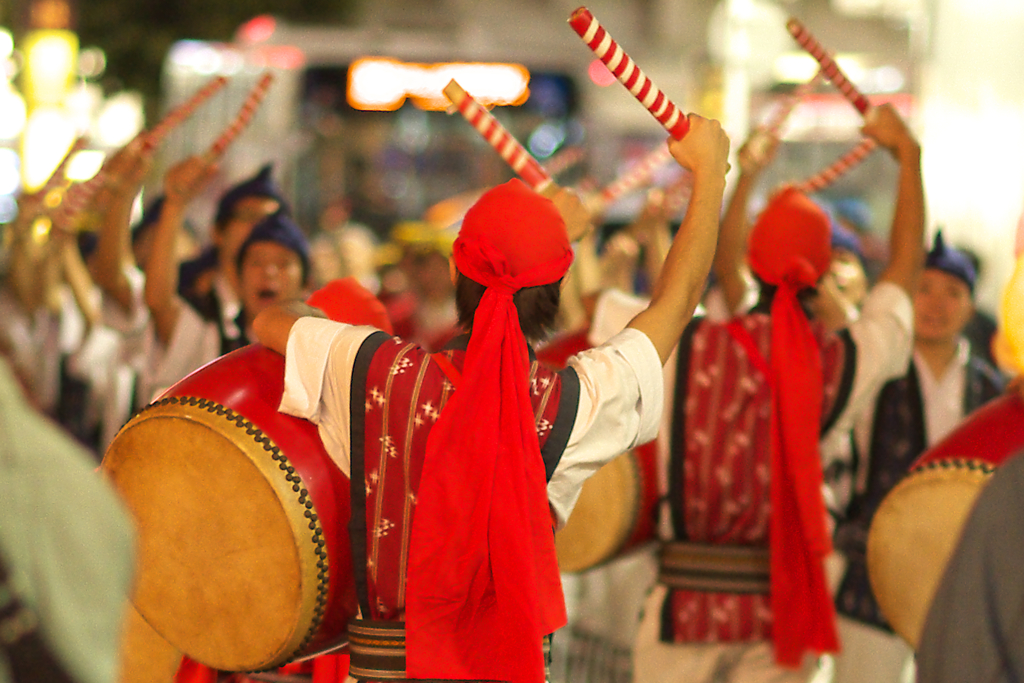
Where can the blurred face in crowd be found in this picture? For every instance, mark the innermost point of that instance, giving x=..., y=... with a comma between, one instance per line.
x=849, y=276
x=269, y=273
x=430, y=275
x=247, y=213
x=942, y=307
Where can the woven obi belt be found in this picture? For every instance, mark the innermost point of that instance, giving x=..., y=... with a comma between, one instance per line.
x=710, y=568
x=377, y=650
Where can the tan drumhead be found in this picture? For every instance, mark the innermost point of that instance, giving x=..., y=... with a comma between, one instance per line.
x=603, y=517
x=227, y=562
x=913, y=535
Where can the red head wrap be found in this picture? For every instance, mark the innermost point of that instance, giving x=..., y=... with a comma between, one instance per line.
x=347, y=301
x=790, y=248
x=483, y=584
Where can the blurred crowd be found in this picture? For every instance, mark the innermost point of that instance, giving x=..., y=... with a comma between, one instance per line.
x=104, y=312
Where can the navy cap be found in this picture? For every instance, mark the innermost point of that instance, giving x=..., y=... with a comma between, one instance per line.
x=259, y=185
x=281, y=229
x=854, y=211
x=952, y=261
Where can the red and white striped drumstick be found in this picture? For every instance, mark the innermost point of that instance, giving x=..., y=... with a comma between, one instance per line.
x=155, y=135
x=245, y=114
x=628, y=73
x=521, y=161
x=774, y=124
x=828, y=65
x=563, y=161
x=841, y=166
x=635, y=176
x=74, y=202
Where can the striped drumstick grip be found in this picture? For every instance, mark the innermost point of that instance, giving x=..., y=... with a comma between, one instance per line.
x=156, y=134
x=828, y=176
x=628, y=73
x=809, y=43
x=521, y=161
x=637, y=175
x=244, y=117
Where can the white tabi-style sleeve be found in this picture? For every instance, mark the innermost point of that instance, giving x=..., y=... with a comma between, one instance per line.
x=884, y=336
x=622, y=396
x=317, y=379
x=194, y=343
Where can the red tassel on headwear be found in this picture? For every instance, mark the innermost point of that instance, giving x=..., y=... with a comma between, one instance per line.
x=483, y=587
x=790, y=248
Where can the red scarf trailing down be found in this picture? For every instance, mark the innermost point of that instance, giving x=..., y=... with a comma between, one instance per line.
x=483, y=586
x=803, y=613
x=789, y=248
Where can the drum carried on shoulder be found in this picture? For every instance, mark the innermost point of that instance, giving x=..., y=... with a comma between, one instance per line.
x=918, y=525
x=617, y=508
x=243, y=551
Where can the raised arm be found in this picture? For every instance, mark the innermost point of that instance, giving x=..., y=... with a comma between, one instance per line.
x=652, y=232
x=704, y=151
x=182, y=184
x=730, y=264
x=273, y=325
x=125, y=173
x=26, y=255
x=906, y=237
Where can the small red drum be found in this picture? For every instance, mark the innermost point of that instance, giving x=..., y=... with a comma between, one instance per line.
x=615, y=513
x=243, y=550
x=917, y=526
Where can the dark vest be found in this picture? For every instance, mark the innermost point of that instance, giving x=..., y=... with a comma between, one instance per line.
x=398, y=391
x=898, y=438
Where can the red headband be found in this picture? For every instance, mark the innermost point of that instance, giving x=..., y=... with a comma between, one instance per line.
x=483, y=584
x=791, y=241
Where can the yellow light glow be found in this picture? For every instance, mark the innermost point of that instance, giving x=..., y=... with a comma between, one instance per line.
x=52, y=57
x=47, y=138
x=379, y=84
x=84, y=165
x=798, y=67
x=40, y=229
x=6, y=44
x=12, y=113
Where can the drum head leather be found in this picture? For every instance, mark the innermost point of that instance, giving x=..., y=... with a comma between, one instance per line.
x=603, y=517
x=913, y=535
x=231, y=567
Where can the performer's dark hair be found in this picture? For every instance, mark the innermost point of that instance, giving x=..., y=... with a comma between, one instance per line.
x=537, y=306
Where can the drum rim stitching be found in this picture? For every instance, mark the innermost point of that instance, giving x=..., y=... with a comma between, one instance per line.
x=293, y=480
x=947, y=463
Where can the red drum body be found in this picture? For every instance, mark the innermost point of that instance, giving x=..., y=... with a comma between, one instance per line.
x=243, y=550
x=918, y=525
x=615, y=513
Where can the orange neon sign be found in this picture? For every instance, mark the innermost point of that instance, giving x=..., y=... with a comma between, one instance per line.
x=383, y=84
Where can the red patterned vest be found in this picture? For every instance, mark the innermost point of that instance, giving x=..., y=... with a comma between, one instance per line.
x=398, y=391
x=719, y=479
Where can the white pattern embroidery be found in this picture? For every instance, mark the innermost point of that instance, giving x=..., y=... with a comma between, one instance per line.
x=401, y=366
x=377, y=396
x=543, y=426
x=382, y=529
x=429, y=410
x=388, y=443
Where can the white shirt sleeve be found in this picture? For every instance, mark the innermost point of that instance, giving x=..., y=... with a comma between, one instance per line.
x=884, y=336
x=194, y=343
x=622, y=396
x=318, y=377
